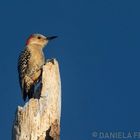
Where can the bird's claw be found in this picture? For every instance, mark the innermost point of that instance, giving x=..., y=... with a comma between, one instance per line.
x=50, y=60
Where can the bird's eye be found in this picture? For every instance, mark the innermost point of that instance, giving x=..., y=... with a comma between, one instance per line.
x=39, y=37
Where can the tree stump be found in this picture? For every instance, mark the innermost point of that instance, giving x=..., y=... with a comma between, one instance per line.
x=39, y=119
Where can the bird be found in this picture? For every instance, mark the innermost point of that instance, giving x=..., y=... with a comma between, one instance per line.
x=30, y=63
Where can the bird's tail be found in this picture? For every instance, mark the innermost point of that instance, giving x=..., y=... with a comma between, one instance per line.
x=24, y=94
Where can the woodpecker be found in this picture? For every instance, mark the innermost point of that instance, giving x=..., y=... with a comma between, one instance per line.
x=30, y=63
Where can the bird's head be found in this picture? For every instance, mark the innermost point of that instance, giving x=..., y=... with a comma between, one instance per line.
x=39, y=39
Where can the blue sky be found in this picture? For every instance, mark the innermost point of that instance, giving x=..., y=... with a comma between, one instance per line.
x=98, y=51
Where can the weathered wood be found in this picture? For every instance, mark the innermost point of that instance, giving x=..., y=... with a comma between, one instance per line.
x=39, y=119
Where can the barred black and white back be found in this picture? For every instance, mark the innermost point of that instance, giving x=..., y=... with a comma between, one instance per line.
x=23, y=60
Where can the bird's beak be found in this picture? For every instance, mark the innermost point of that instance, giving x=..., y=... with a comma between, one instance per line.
x=51, y=37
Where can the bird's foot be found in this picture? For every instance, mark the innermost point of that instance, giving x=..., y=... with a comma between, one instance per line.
x=43, y=96
x=50, y=60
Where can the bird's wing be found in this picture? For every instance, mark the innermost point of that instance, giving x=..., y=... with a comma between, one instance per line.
x=23, y=66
